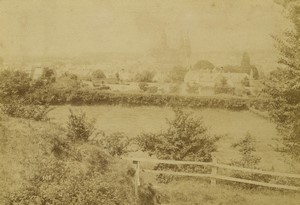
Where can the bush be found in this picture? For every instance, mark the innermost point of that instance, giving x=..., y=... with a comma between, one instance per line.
x=148, y=195
x=14, y=84
x=246, y=148
x=186, y=139
x=94, y=97
x=92, y=180
x=79, y=128
x=144, y=76
x=116, y=144
x=55, y=170
x=143, y=86
x=16, y=108
x=98, y=74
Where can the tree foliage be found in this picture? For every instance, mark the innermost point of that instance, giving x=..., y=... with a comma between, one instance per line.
x=283, y=85
x=203, y=65
x=116, y=143
x=186, y=139
x=98, y=74
x=76, y=174
x=246, y=148
x=79, y=128
x=145, y=76
x=14, y=84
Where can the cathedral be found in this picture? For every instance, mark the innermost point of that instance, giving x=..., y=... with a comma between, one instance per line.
x=164, y=54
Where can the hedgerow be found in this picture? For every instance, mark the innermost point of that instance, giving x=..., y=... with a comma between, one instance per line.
x=95, y=97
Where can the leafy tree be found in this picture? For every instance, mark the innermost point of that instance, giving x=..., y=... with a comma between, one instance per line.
x=283, y=85
x=143, y=86
x=18, y=108
x=186, y=139
x=48, y=75
x=116, y=143
x=177, y=74
x=203, y=65
x=14, y=84
x=67, y=80
x=98, y=74
x=144, y=76
x=246, y=148
x=249, y=159
x=79, y=128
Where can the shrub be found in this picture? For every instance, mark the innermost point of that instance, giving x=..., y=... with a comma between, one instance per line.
x=246, y=148
x=143, y=86
x=116, y=144
x=148, y=195
x=144, y=76
x=14, y=84
x=92, y=180
x=16, y=108
x=94, y=97
x=79, y=128
x=98, y=74
x=55, y=170
x=186, y=138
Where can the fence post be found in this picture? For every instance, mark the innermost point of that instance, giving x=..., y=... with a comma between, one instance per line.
x=214, y=170
x=137, y=177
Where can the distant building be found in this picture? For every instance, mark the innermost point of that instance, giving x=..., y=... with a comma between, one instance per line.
x=244, y=67
x=206, y=78
x=164, y=54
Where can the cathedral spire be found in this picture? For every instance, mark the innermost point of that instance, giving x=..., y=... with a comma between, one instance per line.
x=187, y=50
x=187, y=45
x=164, y=40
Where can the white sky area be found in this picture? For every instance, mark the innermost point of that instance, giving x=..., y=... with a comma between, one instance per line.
x=74, y=27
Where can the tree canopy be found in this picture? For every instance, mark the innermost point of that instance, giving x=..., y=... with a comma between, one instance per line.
x=203, y=65
x=283, y=85
x=98, y=74
x=14, y=83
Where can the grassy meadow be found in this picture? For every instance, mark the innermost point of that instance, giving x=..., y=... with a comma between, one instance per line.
x=232, y=125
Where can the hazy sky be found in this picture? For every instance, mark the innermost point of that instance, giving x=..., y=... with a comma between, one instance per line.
x=72, y=27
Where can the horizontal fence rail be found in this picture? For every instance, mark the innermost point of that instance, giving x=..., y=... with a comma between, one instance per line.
x=213, y=175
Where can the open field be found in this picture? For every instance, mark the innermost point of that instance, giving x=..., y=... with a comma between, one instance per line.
x=232, y=125
x=187, y=193
x=21, y=148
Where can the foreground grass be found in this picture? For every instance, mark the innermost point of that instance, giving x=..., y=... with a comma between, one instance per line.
x=195, y=193
x=32, y=172
x=21, y=144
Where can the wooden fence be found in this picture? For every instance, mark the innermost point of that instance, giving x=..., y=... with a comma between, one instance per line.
x=214, y=173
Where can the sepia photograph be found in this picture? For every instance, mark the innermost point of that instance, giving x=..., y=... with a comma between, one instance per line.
x=149, y=102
